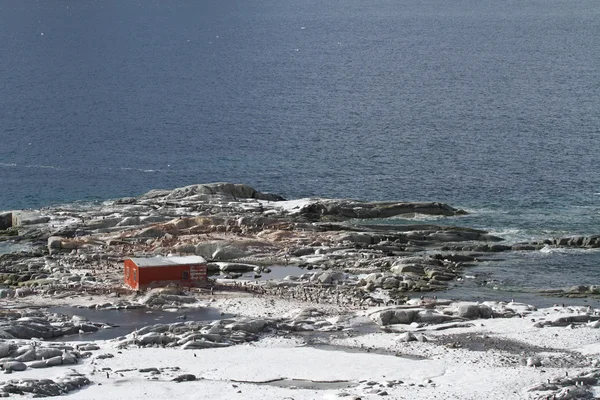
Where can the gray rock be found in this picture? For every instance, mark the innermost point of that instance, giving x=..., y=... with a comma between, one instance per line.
x=233, y=191
x=5, y=220
x=54, y=243
x=534, y=361
x=473, y=311
x=69, y=359
x=202, y=344
x=28, y=356
x=151, y=338
x=206, y=249
x=407, y=337
x=129, y=221
x=14, y=366
x=235, y=267
x=5, y=350
x=407, y=269
x=53, y=361
x=228, y=253
x=23, y=218
x=185, y=378
x=398, y=316
x=88, y=347
x=150, y=369
x=252, y=326
x=432, y=317
x=38, y=364
x=328, y=277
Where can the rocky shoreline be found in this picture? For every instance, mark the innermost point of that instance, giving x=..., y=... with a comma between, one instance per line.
x=355, y=284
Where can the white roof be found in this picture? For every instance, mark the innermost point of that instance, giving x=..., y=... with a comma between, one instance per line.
x=160, y=261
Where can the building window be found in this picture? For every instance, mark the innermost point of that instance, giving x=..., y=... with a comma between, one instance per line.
x=135, y=275
x=185, y=275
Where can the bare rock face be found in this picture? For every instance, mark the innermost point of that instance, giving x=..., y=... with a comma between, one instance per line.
x=5, y=221
x=473, y=311
x=44, y=387
x=234, y=191
x=341, y=210
x=390, y=317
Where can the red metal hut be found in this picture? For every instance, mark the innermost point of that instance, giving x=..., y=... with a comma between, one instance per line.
x=143, y=273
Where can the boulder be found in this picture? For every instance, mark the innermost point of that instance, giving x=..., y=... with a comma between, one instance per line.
x=54, y=242
x=407, y=337
x=473, y=311
x=150, y=338
x=22, y=218
x=28, y=356
x=185, y=249
x=206, y=249
x=395, y=316
x=252, y=326
x=362, y=238
x=129, y=221
x=14, y=366
x=202, y=344
x=407, y=269
x=5, y=220
x=233, y=191
x=185, y=378
x=432, y=317
x=151, y=232
x=38, y=364
x=5, y=349
x=235, y=267
x=228, y=253
x=390, y=283
x=327, y=277
x=68, y=359
x=53, y=361
x=88, y=347
x=149, y=369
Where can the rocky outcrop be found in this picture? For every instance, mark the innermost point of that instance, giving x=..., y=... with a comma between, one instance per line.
x=580, y=386
x=44, y=326
x=231, y=190
x=194, y=335
x=44, y=387
x=433, y=312
x=341, y=210
x=5, y=221
x=590, y=242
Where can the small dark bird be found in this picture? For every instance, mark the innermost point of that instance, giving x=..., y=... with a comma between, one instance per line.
x=194, y=354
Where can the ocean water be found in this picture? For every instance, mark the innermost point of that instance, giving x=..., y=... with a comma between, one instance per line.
x=491, y=106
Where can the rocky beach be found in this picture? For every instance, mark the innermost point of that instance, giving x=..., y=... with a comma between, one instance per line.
x=306, y=299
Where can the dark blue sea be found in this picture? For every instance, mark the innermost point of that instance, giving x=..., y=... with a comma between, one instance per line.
x=489, y=105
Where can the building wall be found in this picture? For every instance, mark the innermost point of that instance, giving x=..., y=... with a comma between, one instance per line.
x=141, y=278
x=131, y=274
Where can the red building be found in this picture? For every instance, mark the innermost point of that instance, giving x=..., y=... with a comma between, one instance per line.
x=143, y=273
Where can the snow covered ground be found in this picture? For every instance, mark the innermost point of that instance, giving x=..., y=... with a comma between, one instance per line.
x=485, y=360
